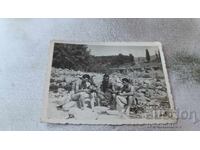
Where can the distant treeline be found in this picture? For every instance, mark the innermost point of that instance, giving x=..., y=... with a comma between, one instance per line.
x=78, y=57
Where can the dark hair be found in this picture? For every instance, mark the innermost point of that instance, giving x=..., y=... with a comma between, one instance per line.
x=126, y=80
x=106, y=75
x=86, y=76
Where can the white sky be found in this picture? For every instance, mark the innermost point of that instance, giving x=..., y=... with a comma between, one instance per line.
x=137, y=51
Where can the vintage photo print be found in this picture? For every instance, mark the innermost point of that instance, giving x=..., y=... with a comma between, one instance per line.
x=108, y=83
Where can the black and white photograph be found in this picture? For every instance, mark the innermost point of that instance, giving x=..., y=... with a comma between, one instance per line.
x=108, y=83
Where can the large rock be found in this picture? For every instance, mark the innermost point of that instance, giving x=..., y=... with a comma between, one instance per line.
x=100, y=109
x=69, y=105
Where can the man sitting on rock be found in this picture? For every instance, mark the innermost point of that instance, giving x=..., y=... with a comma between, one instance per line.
x=107, y=89
x=125, y=97
x=83, y=91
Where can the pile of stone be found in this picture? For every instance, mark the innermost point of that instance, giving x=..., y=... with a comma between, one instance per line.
x=150, y=92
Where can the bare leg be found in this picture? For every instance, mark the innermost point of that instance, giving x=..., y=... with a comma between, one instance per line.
x=92, y=100
x=82, y=101
x=130, y=101
x=120, y=103
x=76, y=97
x=99, y=98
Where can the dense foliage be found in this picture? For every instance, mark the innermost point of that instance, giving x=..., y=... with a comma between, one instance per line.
x=78, y=57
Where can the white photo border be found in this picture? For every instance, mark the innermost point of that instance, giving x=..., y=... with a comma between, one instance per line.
x=45, y=118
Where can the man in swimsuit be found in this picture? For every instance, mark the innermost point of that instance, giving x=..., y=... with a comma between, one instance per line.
x=83, y=91
x=107, y=89
x=125, y=97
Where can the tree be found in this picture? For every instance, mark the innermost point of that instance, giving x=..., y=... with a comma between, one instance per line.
x=71, y=56
x=147, y=56
x=156, y=54
x=159, y=59
x=120, y=59
x=131, y=58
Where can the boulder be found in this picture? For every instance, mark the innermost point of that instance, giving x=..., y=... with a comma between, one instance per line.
x=69, y=105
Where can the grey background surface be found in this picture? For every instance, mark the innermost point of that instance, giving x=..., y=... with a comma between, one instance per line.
x=24, y=57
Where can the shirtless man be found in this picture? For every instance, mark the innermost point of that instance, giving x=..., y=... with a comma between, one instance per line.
x=83, y=91
x=125, y=97
x=108, y=89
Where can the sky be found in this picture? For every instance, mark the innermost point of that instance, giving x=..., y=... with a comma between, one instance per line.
x=137, y=51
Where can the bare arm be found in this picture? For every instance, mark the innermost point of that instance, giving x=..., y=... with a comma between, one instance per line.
x=127, y=94
x=131, y=93
x=77, y=90
x=83, y=90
